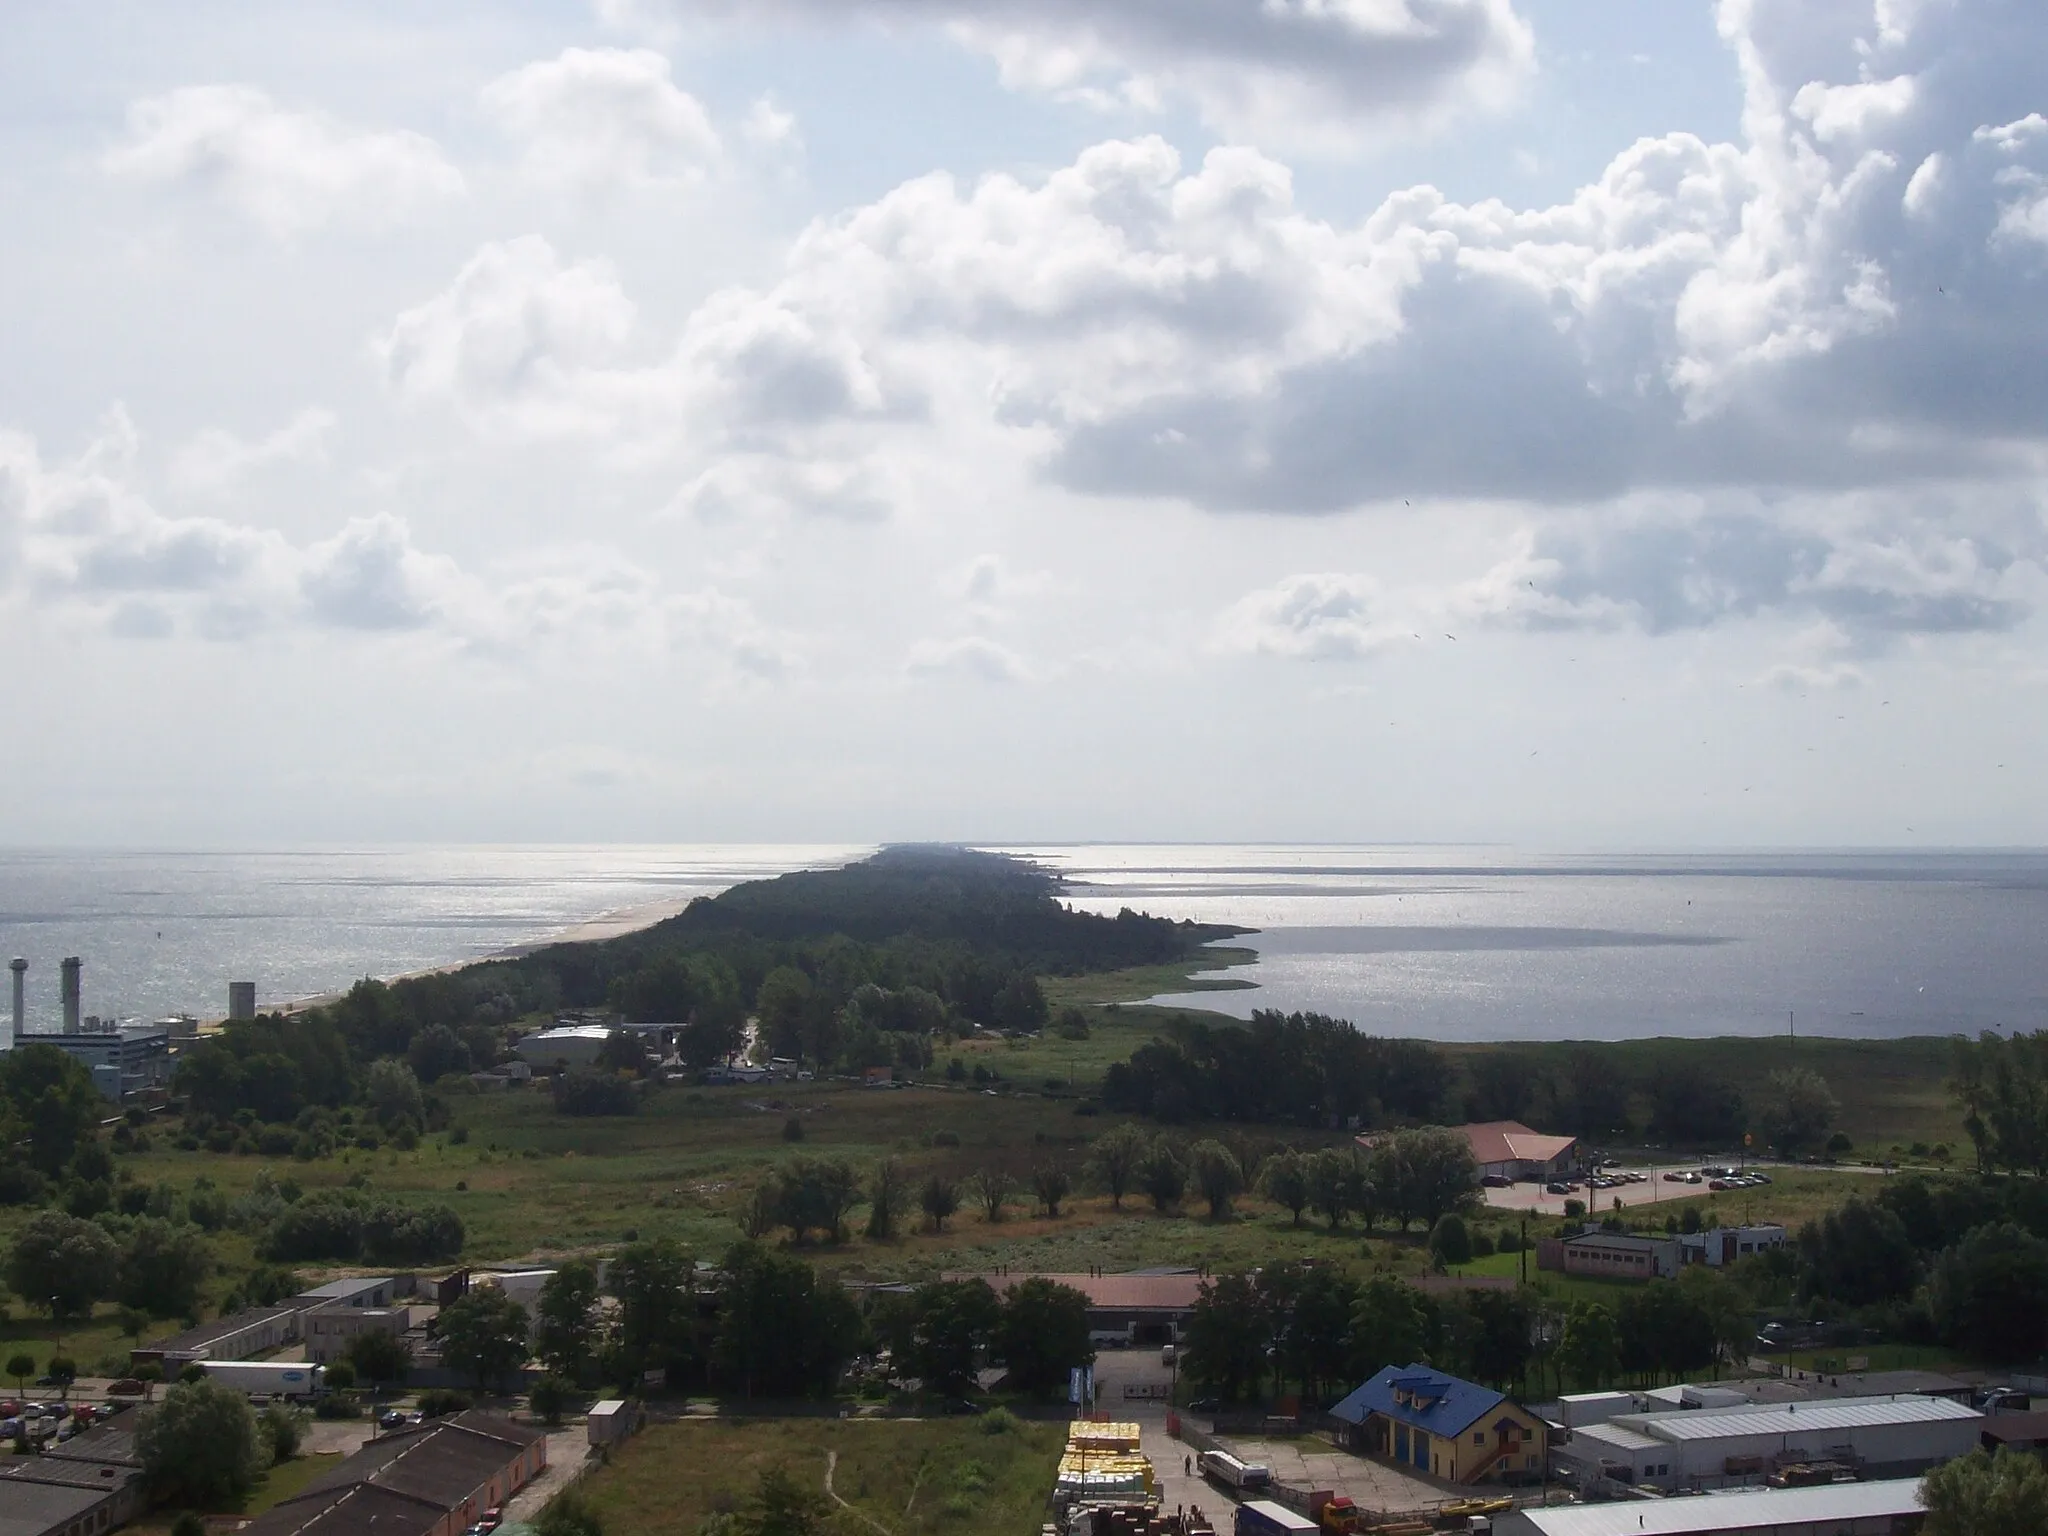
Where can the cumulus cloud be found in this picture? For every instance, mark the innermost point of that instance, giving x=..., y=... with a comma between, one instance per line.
x=1307, y=618
x=594, y=116
x=216, y=459
x=83, y=537
x=1320, y=74
x=1663, y=570
x=1786, y=310
x=290, y=171
x=973, y=657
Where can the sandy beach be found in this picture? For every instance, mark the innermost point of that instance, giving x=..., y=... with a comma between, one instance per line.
x=606, y=925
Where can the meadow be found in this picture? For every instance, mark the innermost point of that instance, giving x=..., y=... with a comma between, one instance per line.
x=902, y=1477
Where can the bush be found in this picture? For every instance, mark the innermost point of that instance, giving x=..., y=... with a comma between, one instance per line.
x=340, y=1375
x=283, y=1429
x=568, y=1513
x=1483, y=1245
x=998, y=1421
x=1450, y=1240
x=439, y=1402
x=188, y=1523
x=550, y=1398
x=583, y=1092
x=792, y=1129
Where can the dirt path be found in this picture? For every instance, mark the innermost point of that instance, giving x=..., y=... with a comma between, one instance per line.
x=831, y=1466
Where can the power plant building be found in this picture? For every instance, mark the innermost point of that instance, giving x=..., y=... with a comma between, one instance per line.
x=241, y=1000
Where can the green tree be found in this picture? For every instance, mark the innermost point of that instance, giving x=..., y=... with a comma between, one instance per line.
x=1388, y=1327
x=1429, y=1171
x=1284, y=1181
x=200, y=1445
x=63, y=1263
x=21, y=1367
x=162, y=1267
x=1450, y=1241
x=51, y=1099
x=781, y=1507
x=817, y=1192
x=565, y=1331
x=956, y=1323
x=655, y=1283
x=435, y=1052
x=394, y=1095
x=1229, y=1332
x=888, y=1194
x=1043, y=1334
x=1217, y=1175
x=1985, y=1293
x=281, y=1430
x=1162, y=1174
x=940, y=1198
x=484, y=1335
x=783, y=1001
x=1332, y=1183
x=781, y=1331
x=991, y=1183
x=550, y=1398
x=1796, y=1111
x=1115, y=1156
x=1986, y=1495
x=381, y=1359
x=1589, y=1354
x=1052, y=1183
x=1497, y=1343
x=1858, y=1254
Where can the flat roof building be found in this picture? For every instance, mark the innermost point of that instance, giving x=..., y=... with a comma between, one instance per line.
x=355, y=1291
x=1886, y=1508
x=1711, y=1447
x=122, y=1058
x=79, y=1487
x=245, y=1335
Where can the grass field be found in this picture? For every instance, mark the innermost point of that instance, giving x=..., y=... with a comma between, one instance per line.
x=907, y=1477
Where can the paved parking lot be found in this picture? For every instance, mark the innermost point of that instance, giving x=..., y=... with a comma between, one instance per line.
x=1655, y=1189
x=1313, y=1463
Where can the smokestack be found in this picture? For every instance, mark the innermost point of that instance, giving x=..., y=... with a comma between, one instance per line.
x=72, y=966
x=20, y=969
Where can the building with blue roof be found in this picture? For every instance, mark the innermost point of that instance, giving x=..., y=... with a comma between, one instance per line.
x=1434, y=1423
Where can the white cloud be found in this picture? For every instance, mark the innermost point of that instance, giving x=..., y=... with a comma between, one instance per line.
x=216, y=459
x=82, y=538
x=594, y=116
x=973, y=657
x=1317, y=74
x=768, y=126
x=1308, y=618
x=290, y=171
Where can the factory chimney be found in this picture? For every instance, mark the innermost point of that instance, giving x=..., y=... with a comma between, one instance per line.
x=72, y=966
x=20, y=969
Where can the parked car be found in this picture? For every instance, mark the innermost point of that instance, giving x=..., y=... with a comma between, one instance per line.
x=1555, y=1188
x=1498, y=1181
x=391, y=1418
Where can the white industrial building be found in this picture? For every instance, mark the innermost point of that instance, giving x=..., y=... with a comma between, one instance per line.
x=575, y=1045
x=1716, y=1446
x=1840, y=1509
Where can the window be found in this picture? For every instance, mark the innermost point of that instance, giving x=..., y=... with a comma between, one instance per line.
x=1479, y=1437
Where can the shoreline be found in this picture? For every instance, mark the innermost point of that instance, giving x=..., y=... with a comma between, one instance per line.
x=613, y=924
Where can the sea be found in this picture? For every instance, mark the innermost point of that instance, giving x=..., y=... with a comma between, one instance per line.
x=1440, y=942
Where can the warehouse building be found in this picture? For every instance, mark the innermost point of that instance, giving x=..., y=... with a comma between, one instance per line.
x=1456, y=1430
x=1713, y=1447
x=81, y=1487
x=431, y=1481
x=1890, y=1508
x=1610, y=1255
x=246, y=1335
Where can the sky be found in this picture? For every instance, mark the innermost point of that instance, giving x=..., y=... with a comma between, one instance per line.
x=1571, y=423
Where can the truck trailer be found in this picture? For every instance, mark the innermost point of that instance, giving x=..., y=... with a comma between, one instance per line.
x=1262, y=1517
x=1238, y=1476
x=295, y=1379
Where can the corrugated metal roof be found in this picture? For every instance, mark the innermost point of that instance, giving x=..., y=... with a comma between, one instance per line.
x=1794, y=1418
x=1701, y=1514
x=1618, y=1436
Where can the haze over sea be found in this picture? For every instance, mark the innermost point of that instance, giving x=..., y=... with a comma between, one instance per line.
x=1444, y=942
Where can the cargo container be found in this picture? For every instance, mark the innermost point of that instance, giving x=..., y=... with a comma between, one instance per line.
x=271, y=1378
x=1262, y=1517
x=1224, y=1468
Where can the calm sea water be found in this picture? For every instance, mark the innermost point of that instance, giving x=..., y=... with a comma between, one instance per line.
x=166, y=932
x=1493, y=944
x=1449, y=943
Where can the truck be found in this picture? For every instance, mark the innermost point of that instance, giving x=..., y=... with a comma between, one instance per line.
x=1262, y=1517
x=1238, y=1476
x=295, y=1379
